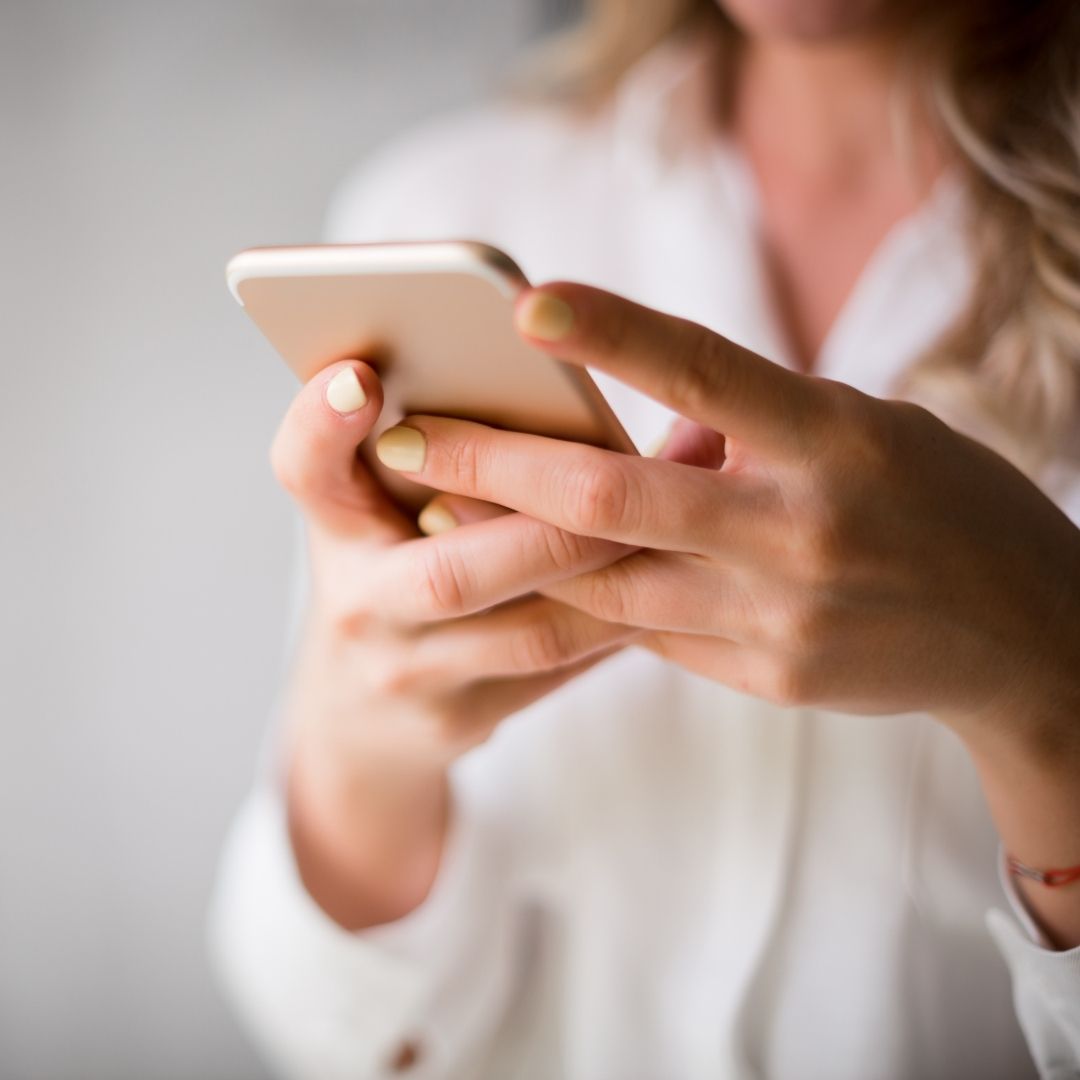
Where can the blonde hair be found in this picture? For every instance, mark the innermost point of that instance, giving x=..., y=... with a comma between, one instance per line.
x=1000, y=80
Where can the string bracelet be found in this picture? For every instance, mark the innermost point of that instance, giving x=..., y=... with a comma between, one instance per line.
x=1050, y=878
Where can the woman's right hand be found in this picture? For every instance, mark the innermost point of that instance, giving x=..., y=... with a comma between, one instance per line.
x=414, y=648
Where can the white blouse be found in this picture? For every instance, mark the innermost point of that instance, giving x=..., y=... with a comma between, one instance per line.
x=649, y=875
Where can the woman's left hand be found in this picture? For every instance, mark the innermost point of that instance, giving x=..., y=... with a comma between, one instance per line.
x=800, y=540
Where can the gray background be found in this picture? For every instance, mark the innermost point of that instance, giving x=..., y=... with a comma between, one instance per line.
x=144, y=549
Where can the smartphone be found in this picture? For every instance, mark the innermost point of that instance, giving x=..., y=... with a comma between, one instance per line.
x=435, y=320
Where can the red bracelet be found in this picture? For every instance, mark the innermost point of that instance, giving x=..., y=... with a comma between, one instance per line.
x=1051, y=878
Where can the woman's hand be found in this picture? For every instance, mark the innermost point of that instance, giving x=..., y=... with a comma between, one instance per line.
x=413, y=650
x=810, y=545
x=841, y=550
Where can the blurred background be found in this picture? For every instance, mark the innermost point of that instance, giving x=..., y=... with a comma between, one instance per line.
x=144, y=548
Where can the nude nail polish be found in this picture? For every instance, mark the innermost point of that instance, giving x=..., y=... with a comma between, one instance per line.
x=546, y=317
x=402, y=449
x=436, y=518
x=344, y=394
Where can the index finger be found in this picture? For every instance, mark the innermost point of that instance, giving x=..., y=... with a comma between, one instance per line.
x=584, y=490
x=700, y=374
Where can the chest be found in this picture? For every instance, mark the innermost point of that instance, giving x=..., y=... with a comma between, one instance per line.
x=815, y=245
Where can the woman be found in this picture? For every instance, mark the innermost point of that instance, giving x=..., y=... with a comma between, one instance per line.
x=786, y=698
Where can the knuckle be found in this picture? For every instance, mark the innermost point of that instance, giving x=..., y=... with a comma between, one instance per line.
x=598, y=493
x=873, y=437
x=455, y=727
x=604, y=596
x=448, y=721
x=821, y=547
x=820, y=533
x=812, y=410
x=702, y=375
x=464, y=463
x=346, y=621
x=797, y=628
x=564, y=550
x=546, y=644
x=442, y=584
x=389, y=674
x=609, y=335
x=865, y=443
x=909, y=432
x=789, y=683
x=911, y=414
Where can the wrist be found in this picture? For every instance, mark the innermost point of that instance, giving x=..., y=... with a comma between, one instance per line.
x=367, y=830
x=1030, y=774
x=1026, y=698
x=1034, y=795
x=1022, y=662
x=1039, y=728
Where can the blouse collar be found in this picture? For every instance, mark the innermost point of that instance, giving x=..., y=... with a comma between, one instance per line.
x=664, y=108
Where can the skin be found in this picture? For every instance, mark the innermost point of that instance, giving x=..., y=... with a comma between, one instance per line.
x=779, y=544
x=396, y=676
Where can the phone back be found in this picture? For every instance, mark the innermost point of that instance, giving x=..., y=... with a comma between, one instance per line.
x=435, y=320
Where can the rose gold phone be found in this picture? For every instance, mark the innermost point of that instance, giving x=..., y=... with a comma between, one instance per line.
x=436, y=321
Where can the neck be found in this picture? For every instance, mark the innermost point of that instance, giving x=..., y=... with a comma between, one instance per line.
x=825, y=111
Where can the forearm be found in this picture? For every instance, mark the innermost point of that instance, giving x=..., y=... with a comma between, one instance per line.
x=367, y=815
x=367, y=837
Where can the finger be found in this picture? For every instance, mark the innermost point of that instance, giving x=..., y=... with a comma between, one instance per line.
x=477, y=711
x=446, y=512
x=694, y=371
x=660, y=591
x=723, y=661
x=314, y=454
x=585, y=490
x=530, y=637
x=476, y=567
x=758, y=672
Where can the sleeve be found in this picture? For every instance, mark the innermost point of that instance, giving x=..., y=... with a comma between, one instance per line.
x=323, y=1003
x=1046, y=993
x=425, y=992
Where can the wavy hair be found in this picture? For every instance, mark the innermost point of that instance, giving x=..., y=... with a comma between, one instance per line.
x=1000, y=81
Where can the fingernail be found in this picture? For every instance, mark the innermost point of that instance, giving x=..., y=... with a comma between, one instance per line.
x=344, y=394
x=402, y=449
x=436, y=518
x=541, y=315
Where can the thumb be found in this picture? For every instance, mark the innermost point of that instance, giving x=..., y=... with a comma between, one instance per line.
x=314, y=455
